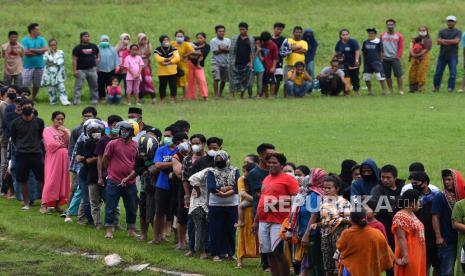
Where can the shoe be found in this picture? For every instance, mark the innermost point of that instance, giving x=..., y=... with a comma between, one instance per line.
x=460, y=91
x=67, y=220
x=154, y=100
x=138, y=104
x=450, y=90
x=25, y=208
x=401, y=92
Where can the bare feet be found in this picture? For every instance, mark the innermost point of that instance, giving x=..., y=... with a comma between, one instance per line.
x=189, y=254
x=109, y=234
x=154, y=242
x=203, y=256
x=131, y=232
x=43, y=210
x=216, y=259
x=239, y=224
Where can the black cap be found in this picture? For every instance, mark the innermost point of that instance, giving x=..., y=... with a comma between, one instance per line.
x=419, y=176
x=135, y=110
x=369, y=30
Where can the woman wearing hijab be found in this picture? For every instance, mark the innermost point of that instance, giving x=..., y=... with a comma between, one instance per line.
x=346, y=177
x=222, y=206
x=145, y=51
x=167, y=58
x=108, y=64
x=313, y=258
x=309, y=37
x=122, y=49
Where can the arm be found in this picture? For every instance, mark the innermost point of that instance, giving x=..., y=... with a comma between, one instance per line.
x=75, y=66
x=357, y=58
x=177, y=167
x=437, y=231
x=100, y=170
x=163, y=165
x=400, y=47
x=308, y=231
x=460, y=227
x=176, y=58
x=402, y=241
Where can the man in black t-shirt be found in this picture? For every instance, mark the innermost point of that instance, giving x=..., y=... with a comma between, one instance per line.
x=26, y=136
x=278, y=39
x=240, y=58
x=85, y=58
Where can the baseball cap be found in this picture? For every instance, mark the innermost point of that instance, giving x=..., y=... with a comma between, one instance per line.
x=451, y=18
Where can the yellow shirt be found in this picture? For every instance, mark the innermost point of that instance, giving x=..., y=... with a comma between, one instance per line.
x=183, y=49
x=299, y=79
x=296, y=57
x=167, y=70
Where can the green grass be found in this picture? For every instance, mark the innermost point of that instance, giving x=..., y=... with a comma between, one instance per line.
x=315, y=131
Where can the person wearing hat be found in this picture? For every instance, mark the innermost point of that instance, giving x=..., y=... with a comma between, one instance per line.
x=448, y=39
x=393, y=46
x=85, y=58
x=420, y=181
x=135, y=113
x=372, y=50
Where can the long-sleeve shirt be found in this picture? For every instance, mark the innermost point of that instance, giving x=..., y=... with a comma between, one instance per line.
x=393, y=45
x=27, y=135
x=109, y=59
x=166, y=69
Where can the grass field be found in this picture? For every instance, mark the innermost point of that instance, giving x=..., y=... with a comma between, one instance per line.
x=315, y=131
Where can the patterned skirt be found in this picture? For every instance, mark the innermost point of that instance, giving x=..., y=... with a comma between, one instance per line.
x=328, y=248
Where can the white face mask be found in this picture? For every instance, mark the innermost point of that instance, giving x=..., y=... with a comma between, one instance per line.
x=424, y=33
x=291, y=174
x=96, y=136
x=211, y=153
x=196, y=148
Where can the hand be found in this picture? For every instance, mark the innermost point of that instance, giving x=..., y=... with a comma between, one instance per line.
x=306, y=240
x=187, y=202
x=357, y=64
x=272, y=70
x=440, y=242
x=255, y=228
x=117, y=69
x=100, y=182
x=313, y=226
x=402, y=261
x=76, y=74
x=124, y=182
x=249, y=65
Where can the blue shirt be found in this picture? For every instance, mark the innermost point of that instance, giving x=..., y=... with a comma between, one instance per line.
x=164, y=154
x=441, y=207
x=258, y=65
x=348, y=50
x=109, y=59
x=371, y=50
x=37, y=61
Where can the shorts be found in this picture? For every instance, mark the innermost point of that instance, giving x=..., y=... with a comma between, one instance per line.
x=269, y=78
x=390, y=65
x=373, y=68
x=32, y=75
x=268, y=236
x=26, y=162
x=163, y=202
x=220, y=72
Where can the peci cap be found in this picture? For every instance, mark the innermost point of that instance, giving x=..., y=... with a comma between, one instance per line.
x=135, y=110
x=451, y=18
x=369, y=30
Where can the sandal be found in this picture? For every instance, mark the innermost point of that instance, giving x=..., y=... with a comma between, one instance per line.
x=217, y=259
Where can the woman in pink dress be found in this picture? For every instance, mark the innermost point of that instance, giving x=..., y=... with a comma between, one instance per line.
x=56, y=171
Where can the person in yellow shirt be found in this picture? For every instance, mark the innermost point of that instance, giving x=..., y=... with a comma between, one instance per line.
x=299, y=81
x=185, y=49
x=298, y=49
x=167, y=58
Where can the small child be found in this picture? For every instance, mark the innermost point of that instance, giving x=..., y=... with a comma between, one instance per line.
x=258, y=69
x=417, y=49
x=134, y=64
x=245, y=197
x=372, y=221
x=114, y=92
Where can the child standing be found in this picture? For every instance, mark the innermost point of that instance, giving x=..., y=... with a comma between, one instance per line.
x=114, y=92
x=133, y=64
x=258, y=69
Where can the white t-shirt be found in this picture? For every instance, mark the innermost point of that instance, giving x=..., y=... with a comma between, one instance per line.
x=409, y=187
x=327, y=70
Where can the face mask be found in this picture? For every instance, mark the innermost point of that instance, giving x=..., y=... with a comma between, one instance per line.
x=166, y=44
x=104, y=44
x=291, y=174
x=211, y=153
x=114, y=131
x=107, y=131
x=168, y=141
x=124, y=135
x=221, y=164
x=179, y=39
x=423, y=33
x=96, y=136
x=27, y=111
x=184, y=147
x=196, y=148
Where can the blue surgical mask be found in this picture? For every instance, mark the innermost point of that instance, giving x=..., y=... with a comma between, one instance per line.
x=107, y=131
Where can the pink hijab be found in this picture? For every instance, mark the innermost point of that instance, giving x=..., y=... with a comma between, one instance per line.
x=317, y=181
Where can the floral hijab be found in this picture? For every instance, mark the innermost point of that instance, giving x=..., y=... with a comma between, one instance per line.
x=224, y=176
x=317, y=181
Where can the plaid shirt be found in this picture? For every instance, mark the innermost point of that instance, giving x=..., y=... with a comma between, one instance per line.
x=73, y=165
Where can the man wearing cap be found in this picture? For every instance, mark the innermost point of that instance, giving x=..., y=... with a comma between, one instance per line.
x=135, y=113
x=85, y=59
x=420, y=182
x=393, y=46
x=448, y=39
x=372, y=50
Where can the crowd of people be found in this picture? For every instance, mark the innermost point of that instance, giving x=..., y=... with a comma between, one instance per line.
x=362, y=221
x=267, y=60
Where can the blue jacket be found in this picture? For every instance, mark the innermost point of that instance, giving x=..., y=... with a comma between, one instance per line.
x=312, y=45
x=362, y=187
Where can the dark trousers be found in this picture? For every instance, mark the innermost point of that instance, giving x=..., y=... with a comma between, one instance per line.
x=354, y=76
x=167, y=81
x=331, y=85
x=104, y=80
x=85, y=198
x=222, y=231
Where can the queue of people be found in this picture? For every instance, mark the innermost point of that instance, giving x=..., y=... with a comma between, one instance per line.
x=361, y=221
x=267, y=60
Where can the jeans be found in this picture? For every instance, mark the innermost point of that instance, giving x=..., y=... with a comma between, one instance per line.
x=450, y=61
x=85, y=199
x=129, y=195
x=221, y=229
x=311, y=70
x=298, y=90
x=115, y=99
x=91, y=76
x=447, y=256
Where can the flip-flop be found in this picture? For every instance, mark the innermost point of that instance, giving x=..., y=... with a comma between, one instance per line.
x=108, y=236
x=152, y=242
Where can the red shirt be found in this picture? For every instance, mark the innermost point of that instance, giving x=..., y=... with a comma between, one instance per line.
x=270, y=54
x=275, y=188
x=378, y=225
x=122, y=158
